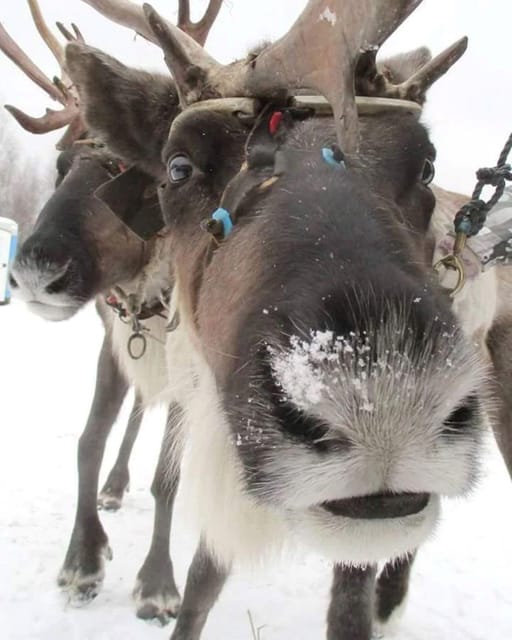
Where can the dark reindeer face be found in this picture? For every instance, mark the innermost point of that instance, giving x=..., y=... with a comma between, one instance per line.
x=347, y=392
x=77, y=248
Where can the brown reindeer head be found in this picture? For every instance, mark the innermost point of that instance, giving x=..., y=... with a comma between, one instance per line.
x=78, y=248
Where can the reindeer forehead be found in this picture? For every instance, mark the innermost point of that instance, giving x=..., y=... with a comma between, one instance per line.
x=195, y=126
x=220, y=108
x=249, y=108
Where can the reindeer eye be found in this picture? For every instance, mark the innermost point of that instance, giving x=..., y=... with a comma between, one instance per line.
x=179, y=168
x=428, y=172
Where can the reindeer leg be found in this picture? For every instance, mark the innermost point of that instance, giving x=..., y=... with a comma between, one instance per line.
x=155, y=593
x=350, y=611
x=205, y=581
x=118, y=480
x=83, y=569
x=391, y=591
x=499, y=342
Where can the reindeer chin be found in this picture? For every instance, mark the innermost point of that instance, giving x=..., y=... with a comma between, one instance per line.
x=358, y=541
x=54, y=313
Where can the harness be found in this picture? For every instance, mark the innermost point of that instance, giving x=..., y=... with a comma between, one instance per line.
x=490, y=239
x=264, y=164
x=124, y=306
x=131, y=196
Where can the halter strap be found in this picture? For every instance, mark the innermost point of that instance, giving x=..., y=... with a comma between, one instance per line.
x=264, y=164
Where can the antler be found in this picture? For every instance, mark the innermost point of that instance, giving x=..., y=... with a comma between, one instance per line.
x=370, y=81
x=191, y=35
x=45, y=33
x=198, y=30
x=57, y=89
x=321, y=51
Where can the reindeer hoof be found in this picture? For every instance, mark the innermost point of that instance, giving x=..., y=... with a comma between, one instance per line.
x=109, y=501
x=111, y=496
x=159, y=607
x=80, y=589
x=80, y=586
x=153, y=613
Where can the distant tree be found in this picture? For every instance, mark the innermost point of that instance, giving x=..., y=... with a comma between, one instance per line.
x=25, y=183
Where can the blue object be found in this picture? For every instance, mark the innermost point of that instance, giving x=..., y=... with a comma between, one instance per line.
x=224, y=217
x=328, y=156
x=8, y=241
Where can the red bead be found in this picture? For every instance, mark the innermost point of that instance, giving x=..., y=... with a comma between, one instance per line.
x=274, y=122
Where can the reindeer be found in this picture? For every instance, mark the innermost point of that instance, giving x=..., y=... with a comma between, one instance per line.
x=328, y=390
x=78, y=252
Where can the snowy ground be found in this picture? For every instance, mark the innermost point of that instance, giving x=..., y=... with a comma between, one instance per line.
x=462, y=585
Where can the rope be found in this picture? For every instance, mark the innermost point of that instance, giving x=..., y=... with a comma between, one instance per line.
x=471, y=218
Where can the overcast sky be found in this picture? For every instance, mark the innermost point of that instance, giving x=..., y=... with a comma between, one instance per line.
x=468, y=111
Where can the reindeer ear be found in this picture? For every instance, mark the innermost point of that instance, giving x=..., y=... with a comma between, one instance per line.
x=128, y=109
x=401, y=67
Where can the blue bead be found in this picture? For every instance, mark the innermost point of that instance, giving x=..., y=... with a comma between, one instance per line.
x=224, y=216
x=328, y=156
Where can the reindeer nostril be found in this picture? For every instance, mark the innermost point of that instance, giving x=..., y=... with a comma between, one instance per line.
x=12, y=282
x=58, y=285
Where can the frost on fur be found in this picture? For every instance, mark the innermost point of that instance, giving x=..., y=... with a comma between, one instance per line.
x=377, y=377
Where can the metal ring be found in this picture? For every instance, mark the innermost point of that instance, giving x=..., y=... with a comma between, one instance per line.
x=132, y=339
x=454, y=263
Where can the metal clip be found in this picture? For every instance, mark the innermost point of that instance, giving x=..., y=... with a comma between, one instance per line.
x=137, y=337
x=454, y=263
x=459, y=244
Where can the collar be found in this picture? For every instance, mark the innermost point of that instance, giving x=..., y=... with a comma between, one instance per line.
x=137, y=342
x=146, y=311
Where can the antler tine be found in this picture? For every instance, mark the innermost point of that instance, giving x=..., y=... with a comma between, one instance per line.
x=21, y=60
x=78, y=33
x=128, y=14
x=370, y=81
x=71, y=37
x=198, y=30
x=51, y=41
x=415, y=87
x=51, y=121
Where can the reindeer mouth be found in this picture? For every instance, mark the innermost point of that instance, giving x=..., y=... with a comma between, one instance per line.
x=378, y=506
x=53, y=312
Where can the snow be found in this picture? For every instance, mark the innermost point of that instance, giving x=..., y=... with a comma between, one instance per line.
x=461, y=587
